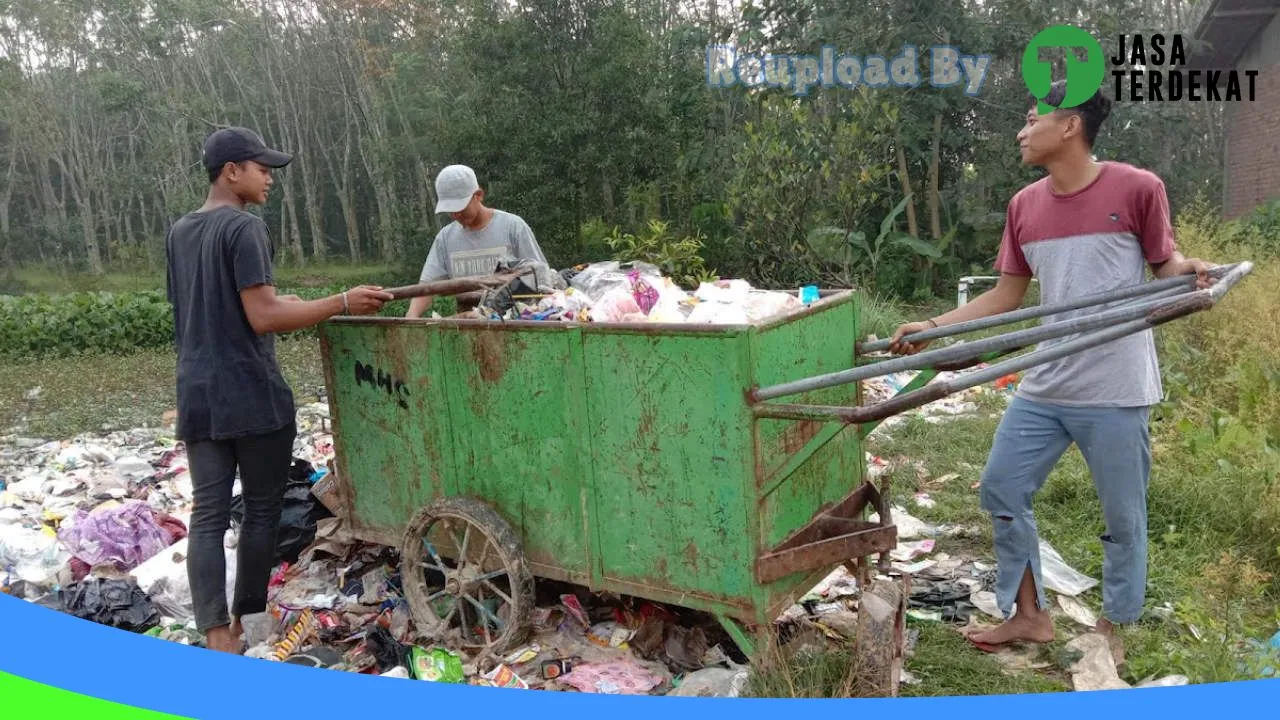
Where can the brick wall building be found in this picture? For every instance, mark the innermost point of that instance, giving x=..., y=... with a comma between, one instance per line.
x=1245, y=35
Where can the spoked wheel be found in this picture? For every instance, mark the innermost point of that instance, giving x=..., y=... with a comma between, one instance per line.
x=465, y=577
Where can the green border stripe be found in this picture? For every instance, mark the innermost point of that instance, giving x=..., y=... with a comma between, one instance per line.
x=33, y=700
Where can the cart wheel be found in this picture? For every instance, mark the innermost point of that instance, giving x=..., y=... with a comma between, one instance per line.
x=466, y=578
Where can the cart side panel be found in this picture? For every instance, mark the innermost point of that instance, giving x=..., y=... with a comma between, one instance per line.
x=519, y=424
x=670, y=438
x=804, y=467
x=386, y=396
x=822, y=474
x=811, y=344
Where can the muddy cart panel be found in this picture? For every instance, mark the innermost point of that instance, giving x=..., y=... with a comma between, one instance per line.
x=518, y=417
x=386, y=397
x=670, y=440
x=490, y=414
x=804, y=465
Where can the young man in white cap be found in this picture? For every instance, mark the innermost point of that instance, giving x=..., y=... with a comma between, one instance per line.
x=477, y=240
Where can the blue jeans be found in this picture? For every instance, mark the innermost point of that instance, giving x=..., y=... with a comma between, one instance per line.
x=1116, y=446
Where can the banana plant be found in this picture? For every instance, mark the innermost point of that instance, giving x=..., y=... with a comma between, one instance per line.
x=842, y=246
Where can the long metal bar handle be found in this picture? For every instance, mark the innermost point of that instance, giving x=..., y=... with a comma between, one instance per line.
x=965, y=351
x=457, y=286
x=1163, y=288
x=1191, y=303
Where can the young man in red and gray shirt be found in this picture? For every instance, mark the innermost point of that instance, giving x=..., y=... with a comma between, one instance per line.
x=1088, y=227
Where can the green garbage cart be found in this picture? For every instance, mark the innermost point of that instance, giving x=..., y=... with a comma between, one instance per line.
x=620, y=457
x=644, y=459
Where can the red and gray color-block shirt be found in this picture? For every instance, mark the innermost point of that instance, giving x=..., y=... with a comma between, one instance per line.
x=1096, y=239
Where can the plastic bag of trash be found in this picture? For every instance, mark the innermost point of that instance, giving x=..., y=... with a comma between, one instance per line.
x=164, y=579
x=717, y=313
x=1061, y=577
x=118, y=603
x=764, y=304
x=600, y=278
x=725, y=292
x=623, y=676
x=617, y=305
x=299, y=513
x=124, y=535
x=30, y=555
x=712, y=682
x=27, y=490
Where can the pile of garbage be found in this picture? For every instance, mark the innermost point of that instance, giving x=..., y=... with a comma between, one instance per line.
x=342, y=606
x=96, y=527
x=614, y=292
x=963, y=404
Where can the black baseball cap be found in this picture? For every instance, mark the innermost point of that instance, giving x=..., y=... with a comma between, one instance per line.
x=237, y=144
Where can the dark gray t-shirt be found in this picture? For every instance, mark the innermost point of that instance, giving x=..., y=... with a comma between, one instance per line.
x=229, y=383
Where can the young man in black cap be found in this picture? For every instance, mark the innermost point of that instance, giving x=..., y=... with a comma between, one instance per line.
x=234, y=408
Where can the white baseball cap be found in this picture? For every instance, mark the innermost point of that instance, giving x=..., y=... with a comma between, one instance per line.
x=454, y=187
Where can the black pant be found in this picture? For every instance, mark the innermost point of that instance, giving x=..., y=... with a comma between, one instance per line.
x=264, y=462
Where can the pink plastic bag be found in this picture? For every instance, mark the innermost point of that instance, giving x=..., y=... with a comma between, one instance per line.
x=125, y=535
x=646, y=295
x=618, y=677
x=615, y=306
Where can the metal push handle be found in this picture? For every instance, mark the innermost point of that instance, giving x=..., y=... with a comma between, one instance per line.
x=458, y=286
x=1107, y=326
x=1167, y=287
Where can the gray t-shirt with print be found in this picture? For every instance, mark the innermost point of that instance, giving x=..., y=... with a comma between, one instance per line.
x=458, y=252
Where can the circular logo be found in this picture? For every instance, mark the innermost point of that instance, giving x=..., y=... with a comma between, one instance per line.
x=1083, y=77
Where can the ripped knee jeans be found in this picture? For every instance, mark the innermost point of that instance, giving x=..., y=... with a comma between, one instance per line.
x=1115, y=443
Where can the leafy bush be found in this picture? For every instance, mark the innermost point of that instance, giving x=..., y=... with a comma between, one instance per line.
x=1216, y=439
x=1227, y=361
x=847, y=247
x=117, y=323
x=1259, y=231
x=677, y=258
x=35, y=325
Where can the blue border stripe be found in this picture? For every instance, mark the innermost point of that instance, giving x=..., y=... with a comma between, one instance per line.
x=84, y=657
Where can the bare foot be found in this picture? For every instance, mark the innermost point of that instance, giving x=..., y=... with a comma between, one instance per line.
x=1107, y=630
x=222, y=639
x=1037, y=628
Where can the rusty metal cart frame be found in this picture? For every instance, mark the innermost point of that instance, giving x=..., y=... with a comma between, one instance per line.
x=647, y=459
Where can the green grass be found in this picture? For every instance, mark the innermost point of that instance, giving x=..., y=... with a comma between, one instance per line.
x=79, y=395
x=943, y=662
x=880, y=317
x=1196, y=512
x=44, y=279
x=946, y=664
